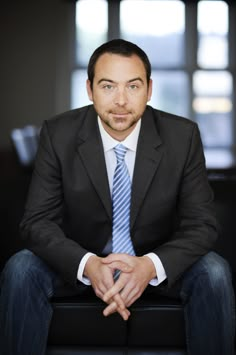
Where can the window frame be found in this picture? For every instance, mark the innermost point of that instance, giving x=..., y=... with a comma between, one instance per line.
x=191, y=40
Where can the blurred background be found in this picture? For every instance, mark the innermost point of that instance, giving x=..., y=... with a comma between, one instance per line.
x=45, y=47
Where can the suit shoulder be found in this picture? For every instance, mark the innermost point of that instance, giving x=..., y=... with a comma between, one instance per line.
x=170, y=119
x=174, y=129
x=64, y=128
x=68, y=118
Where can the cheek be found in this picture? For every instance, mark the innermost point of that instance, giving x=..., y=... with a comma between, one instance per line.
x=101, y=98
x=140, y=102
x=101, y=104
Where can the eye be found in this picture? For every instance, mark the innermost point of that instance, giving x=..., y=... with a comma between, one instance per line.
x=133, y=87
x=107, y=87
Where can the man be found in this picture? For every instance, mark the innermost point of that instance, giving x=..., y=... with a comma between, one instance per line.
x=73, y=224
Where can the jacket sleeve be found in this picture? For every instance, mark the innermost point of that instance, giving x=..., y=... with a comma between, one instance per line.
x=196, y=226
x=42, y=224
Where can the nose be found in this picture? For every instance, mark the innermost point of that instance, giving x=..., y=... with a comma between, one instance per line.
x=121, y=97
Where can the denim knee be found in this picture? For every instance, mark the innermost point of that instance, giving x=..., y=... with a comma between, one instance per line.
x=21, y=269
x=211, y=274
x=25, y=308
x=217, y=270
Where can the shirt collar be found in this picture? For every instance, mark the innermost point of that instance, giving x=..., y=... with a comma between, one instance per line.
x=130, y=142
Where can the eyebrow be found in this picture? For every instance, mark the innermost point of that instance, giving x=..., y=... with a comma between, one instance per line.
x=112, y=81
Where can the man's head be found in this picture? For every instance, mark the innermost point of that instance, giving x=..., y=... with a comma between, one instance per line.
x=119, y=47
x=119, y=86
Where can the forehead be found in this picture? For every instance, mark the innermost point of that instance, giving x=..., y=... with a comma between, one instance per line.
x=114, y=66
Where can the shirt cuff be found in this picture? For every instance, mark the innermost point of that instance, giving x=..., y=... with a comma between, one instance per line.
x=80, y=272
x=160, y=271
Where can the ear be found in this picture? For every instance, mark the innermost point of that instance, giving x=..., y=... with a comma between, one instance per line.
x=150, y=90
x=89, y=90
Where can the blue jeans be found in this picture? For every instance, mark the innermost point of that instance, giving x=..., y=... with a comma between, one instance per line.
x=27, y=284
x=209, y=307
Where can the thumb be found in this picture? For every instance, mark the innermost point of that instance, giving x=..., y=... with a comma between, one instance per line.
x=115, y=257
x=120, y=265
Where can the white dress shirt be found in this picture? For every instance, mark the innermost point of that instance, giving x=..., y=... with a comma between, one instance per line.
x=110, y=158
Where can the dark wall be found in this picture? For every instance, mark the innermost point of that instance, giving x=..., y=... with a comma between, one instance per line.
x=36, y=39
x=14, y=182
x=36, y=58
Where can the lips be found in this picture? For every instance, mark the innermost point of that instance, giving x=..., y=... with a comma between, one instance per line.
x=120, y=113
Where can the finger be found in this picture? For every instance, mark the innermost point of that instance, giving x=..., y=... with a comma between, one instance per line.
x=112, y=308
x=117, y=304
x=131, y=292
x=119, y=301
x=108, y=280
x=120, y=265
x=130, y=297
x=114, y=290
x=101, y=287
x=115, y=257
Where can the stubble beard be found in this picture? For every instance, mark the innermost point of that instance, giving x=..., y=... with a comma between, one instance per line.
x=115, y=124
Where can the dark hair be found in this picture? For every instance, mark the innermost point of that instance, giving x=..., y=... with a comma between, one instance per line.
x=120, y=47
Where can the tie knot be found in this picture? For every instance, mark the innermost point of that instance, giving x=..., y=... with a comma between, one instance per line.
x=120, y=151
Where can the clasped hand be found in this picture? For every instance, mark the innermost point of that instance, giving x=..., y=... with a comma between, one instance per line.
x=135, y=274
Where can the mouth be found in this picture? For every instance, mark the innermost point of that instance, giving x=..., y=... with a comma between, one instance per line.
x=119, y=114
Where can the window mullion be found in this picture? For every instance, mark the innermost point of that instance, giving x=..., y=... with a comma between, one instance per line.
x=191, y=45
x=113, y=19
x=232, y=59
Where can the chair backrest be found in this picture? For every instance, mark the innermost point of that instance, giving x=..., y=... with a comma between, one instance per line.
x=25, y=141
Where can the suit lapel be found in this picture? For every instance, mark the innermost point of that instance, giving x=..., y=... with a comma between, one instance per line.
x=148, y=157
x=91, y=152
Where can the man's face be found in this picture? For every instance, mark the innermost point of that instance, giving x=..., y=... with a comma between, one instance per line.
x=120, y=92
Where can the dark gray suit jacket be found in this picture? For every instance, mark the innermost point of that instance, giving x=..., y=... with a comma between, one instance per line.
x=69, y=211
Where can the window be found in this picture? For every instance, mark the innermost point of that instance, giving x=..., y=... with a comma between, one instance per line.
x=91, y=28
x=212, y=25
x=188, y=46
x=161, y=35
x=160, y=32
x=213, y=83
x=91, y=31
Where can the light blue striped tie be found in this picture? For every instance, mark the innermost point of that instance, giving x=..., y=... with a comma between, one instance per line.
x=121, y=197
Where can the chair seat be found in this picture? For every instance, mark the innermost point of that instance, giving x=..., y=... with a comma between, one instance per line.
x=78, y=321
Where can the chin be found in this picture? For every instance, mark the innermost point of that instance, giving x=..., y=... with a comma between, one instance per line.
x=122, y=125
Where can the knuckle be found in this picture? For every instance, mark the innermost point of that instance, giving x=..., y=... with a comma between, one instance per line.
x=97, y=292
